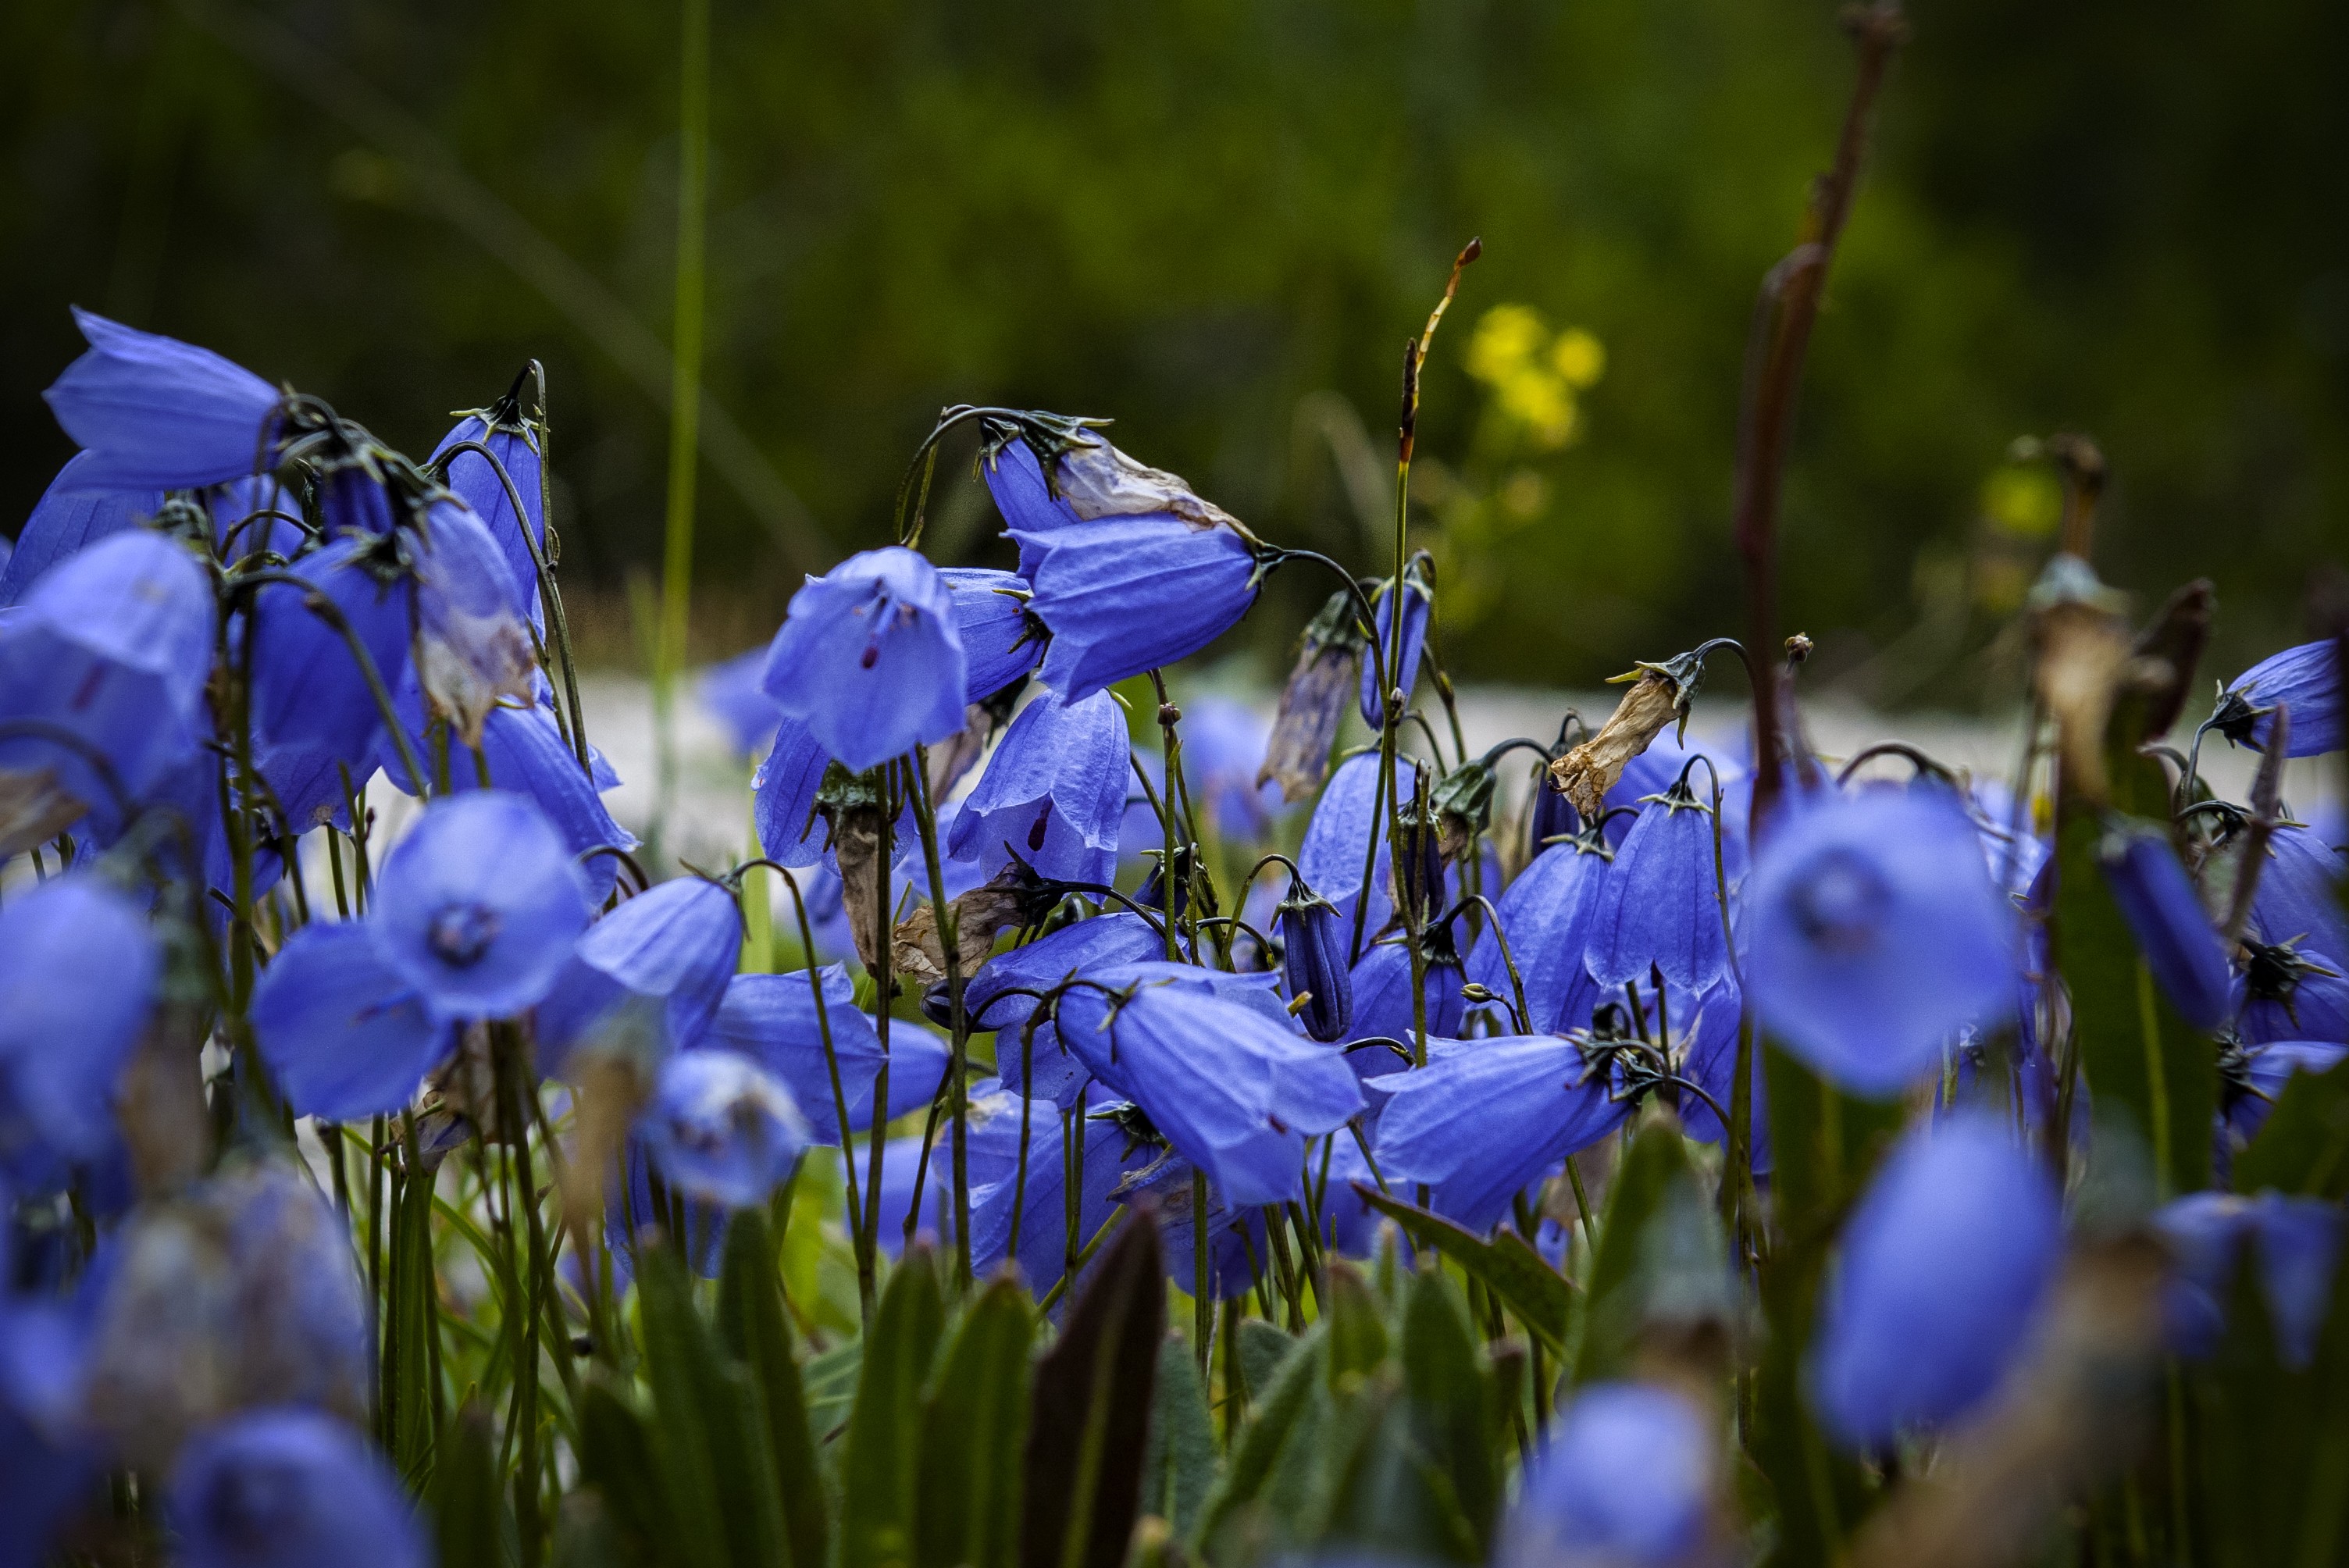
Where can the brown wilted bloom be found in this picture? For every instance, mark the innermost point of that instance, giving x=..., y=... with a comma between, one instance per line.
x=1098, y=481
x=605, y=1097
x=1010, y=899
x=159, y=1100
x=1314, y=701
x=1585, y=773
x=2081, y=655
x=857, y=845
x=957, y=755
x=2176, y=638
x=33, y=809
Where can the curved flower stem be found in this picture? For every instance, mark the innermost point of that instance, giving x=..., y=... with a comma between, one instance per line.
x=1924, y=765
x=830, y=1054
x=950, y=944
x=1516, y=984
x=1276, y=557
x=1027, y=1108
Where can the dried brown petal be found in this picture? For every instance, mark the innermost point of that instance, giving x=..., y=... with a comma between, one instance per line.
x=980, y=915
x=1585, y=773
x=35, y=809
x=1099, y=480
x=1312, y=705
x=2083, y=654
x=159, y=1100
x=2176, y=639
x=857, y=845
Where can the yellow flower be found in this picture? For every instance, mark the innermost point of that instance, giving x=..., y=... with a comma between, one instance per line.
x=1579, y=357
x=1507, y=337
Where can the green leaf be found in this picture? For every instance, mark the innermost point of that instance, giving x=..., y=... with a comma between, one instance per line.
x=751, y=1321
x=1264, y=1347
x=878, y=1466
x=615, y=1458
x=1266, y=1438
x=713, y=1442
x=1455, y=1415
x=1091, y=1420
x=2304, y=1146
x=468, y=1511
x=973, y=1437
x=1180, y=1463
x=1542, y=1298
x=1661, y=1260
x=1358, y=1334
x=830, y=1381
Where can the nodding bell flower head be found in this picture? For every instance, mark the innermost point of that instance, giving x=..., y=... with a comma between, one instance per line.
x=473, y=642
x=79, y=968
x=1486, y=1118
x=646, y=978
x=344, y=1034
x=112, y=647
x=2166, y=916
x=1417, y=603
x=2295, y=901
x=1053, y=793
x=309, y=692
x=1342, y=831
x=2305, y=679
x=1380, y=984
x=1039, y=1066
x=1658, y=905
x=1946, y=1263
x=156, y=412
x=784, y=791
x=1554, y=817
x=502, y=428
x=1314, y=939
x=1313, y=703
x=1547, y=915
x=1000, y=641
x=70, y=517
x=2297, y=1240
x=1031, y=509
x=1131, y=568
x=480, y=905
x=772, y=1020
x=289, y=1487
x=721, y=1128
x=870, y=660
x=1627, y=1479
x=1876, y=935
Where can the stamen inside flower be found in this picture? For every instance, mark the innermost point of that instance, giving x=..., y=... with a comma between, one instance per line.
x=460, y=933
x=1841, y=904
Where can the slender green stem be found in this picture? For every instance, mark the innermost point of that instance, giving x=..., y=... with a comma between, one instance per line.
x=917, y=784
x=684, y=388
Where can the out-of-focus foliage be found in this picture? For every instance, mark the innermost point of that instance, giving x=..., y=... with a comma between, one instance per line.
x=1216, y=220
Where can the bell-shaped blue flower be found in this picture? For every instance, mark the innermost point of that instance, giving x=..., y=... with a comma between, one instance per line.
x=1485, y=1118
x=1418, y=605
x=1946, y=1263
x=2166, y=916
x=78, y=966
x=782, y=804
x=647, y=977
x=869, y=658
x=1225, y=1080
x=2297, y=1240
x=1038, y=1064
x=308, y=691
x=473, y=644
x=2305, y=679
x=1547, y=915
x=289, y=1487
x=112, y=648
x=1237, y=1250
x=1110, y=1154
x=1000, y=641
x=1052, y=794
x=157, y=412
x=1875, y=933
x=70, y=518
x=2266, y=1071
x=479, y=906
x=1659, y=905
x=470, y=477
x=1381, y=983
x=721, y=1128
x=1627, y=1479
x=344, y=1034
x=1030, y=510
x=773, y=1019
x=734, y=693
x=2295, y=901
x=1313, y=942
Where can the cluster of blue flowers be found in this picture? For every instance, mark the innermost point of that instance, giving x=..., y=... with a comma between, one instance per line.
x=1053, y=1005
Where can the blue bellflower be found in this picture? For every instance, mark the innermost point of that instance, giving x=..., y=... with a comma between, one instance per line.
x=648, y=976
x=1001, y=642
x=344, y=1034
x=79, y=968
x=1039, y=1065
x=1313, y=942
x=869, y=658
x=1417, y=605
x=473, y=639
x=155, y=411
x=1052, y=794
x=1877, y=934
x=288, y=1488
x=1946, y=1263
x=721, y=1128
x=1108, y=1153
x=1625, y=1481
x=479, y=906
x=1237, y=1243
x=475, y=483
x=2305, y=679
x=2295, y=901
x=1485, y=1118
x=309, y=691
x=1381, y=987
x=1548, y=914
x=782, y=805
x=1031, y=512
x=2297, y=1240
x=772, y=1020
x=1345, y=823
x=2165, y=914
x=1658, y=905
x=70, y=518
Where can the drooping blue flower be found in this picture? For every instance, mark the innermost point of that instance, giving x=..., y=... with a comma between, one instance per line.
x=157, y=413
x=869, y=658
x=1627, y=1479
x=1418, y=605
x=479, y=906
x=1946, y=1263
x=474, y=641
x=1658, y=905
x=783, y=802
x=2267, y=1070
x=1214, y=1063
x=772, y=1020
x=2166, y=916
x=734, y=693
x=1237, y=1250
x=647, y=977
x=70, y=517
x=1547, y=915
x=78, y=967
x=502, y=429
x=2282, y=996
x=290, y=1488
x=111, y=649
x=1381, y=983
x=1485, y=1118
x=344, y=1034
x=309, y=691
x=1553, y=819
x=2295, y=900
x=1001, y=642
x=1108, y=1153
x=2305, y=679
x=2297, y=1240
x=1313, y=966
x=721, y=1128
x=1875, y=933
x=1052, y=793
x=1085, y=947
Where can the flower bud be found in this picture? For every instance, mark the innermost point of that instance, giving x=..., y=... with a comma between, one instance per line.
x=1313, y=962
x=1312, y=704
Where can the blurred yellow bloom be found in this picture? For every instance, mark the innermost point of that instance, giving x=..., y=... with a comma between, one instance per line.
x=1579, y=357
x=1533, y=372
x=2025, y=500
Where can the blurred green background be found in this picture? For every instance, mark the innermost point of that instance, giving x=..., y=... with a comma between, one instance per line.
x=1216, y=220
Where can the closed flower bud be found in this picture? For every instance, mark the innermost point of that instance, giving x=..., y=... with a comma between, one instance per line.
x=1297, y=757
x=2165, y=915
x=2305, y=679
x=1313, y=962
x=289, y=1487
x=1418, y=603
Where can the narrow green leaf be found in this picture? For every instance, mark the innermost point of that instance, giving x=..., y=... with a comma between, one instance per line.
x=1358, y=1332
x=1264, y=1347
x=751, y=1321
x=1662, y=1258
x=1180, y=1463
x=1455, y=1417
x=468, y=1511
x=615, y=1458
x=973, y=1437
x=712, y=1443
x=1540, y=1296
x=1264, y=1440
x=877, y=1467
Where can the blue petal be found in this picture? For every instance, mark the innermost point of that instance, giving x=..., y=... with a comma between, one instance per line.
x=1031, y=511
x=70, y=517
x=2307, y=680
x=734, y=694
x=990, y=615
x=1626, y=1477
x=721, y=1128
x=344, y=1035
x=1485, y=1118
x=1040, y=1200
x=771, y=1018
x=158, y=412
x=78, y=966
x=670, y=952
x=783, y=808
x=476, y=483
x=1659, y=905
x=869, y=658
x=305, y=1484
x=308, y=689
x=1547, y=914
x=478, y=906
x=1054, y=792
x=1127, y=594
x=2166, y=915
